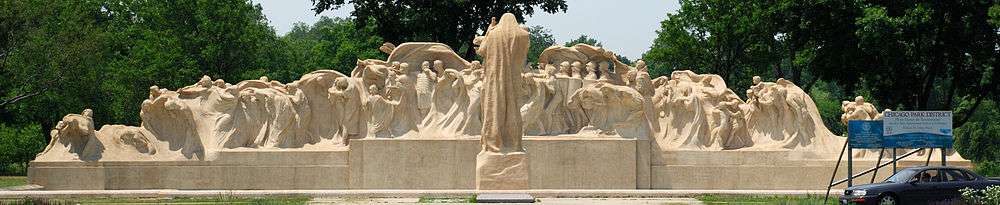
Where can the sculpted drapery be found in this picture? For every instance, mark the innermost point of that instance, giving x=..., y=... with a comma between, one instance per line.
x=504, y=50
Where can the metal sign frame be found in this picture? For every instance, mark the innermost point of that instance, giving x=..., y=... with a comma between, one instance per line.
x=918, y=132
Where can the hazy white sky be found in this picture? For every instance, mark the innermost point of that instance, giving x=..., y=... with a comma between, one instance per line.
x=627, y=27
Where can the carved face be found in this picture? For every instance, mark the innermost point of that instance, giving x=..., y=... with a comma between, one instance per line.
x=476, y=65
x=205, y=81
x=859, y=100
x=425, y=65
x=404, y=67
x=439, y=65
x=340, y=83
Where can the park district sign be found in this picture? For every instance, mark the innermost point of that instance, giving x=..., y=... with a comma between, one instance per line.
x=903, y=129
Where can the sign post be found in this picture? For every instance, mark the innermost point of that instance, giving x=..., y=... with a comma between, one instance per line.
x=897, y=129
x=919, y=129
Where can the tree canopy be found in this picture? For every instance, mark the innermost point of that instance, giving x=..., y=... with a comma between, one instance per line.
x=452, y=22
x=909, y=55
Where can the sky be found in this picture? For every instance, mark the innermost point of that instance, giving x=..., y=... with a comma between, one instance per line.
x=626, y=27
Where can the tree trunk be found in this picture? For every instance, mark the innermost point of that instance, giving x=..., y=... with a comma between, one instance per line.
x=929, y=79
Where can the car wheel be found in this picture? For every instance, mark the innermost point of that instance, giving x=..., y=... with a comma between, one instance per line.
x=887, y=200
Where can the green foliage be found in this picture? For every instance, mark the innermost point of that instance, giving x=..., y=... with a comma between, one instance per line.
x=451, y=22
x=584, y=39
x=331, y=43
x=913, y=55
x=988, y=168
x=460, y=199
x=827, y=99
x=979, y=139
x=541, y=38
x=64, y=56
x=19, y=144
x=733, y=39
x=989, y=195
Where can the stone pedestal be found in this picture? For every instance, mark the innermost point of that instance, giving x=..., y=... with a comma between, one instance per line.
x=502, y=171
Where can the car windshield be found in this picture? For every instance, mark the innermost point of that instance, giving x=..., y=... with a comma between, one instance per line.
x=900, y=176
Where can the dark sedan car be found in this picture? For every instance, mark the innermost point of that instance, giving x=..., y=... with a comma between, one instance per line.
x=917, y=185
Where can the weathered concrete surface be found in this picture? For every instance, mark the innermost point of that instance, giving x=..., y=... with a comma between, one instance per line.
x=382, y=193
x=557, y=163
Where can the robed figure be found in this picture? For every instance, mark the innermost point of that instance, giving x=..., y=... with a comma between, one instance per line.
x=502, y=163
x=504, y=50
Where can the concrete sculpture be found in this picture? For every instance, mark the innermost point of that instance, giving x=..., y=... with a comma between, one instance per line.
x=502, y=162
x=581, y=107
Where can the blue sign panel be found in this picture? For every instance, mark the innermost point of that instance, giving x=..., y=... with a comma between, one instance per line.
x=918, y=129
x=864, y=134
x=867, y=134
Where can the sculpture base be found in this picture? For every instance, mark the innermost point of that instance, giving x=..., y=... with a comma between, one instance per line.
x=502, y=171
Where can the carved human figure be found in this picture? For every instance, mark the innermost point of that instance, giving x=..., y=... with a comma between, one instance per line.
x=564, y=70
x=347, y=95
x=605, y=73
x=534, y=98
x=642, y=81
x=381, y=111
x=591, y=71
x=732, y=130
x=154, y=92
x=439, y=67
x=611, y=109
x=406, y=115
x=857, y=110
x=425, y=87
x=504, y=48
x=198, y=88
x=546, y=68
x=577, y=69
x=303, y=115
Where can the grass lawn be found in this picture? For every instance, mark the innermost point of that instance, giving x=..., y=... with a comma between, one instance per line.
x=177, y=200
x=742, y=199
x=461, y=199
x=9, y=181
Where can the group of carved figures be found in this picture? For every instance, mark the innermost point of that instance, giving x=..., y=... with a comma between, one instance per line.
x=425, y=90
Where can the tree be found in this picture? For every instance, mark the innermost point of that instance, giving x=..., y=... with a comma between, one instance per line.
x=49, y=55
x=20, y=144
x=914, y=55
x=541, y=38
x=331, y=43
x=584, y=39
x=64, y=56
x=451, y=22
x=733, y=39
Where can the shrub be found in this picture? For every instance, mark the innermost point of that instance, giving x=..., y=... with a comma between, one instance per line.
x=18, y=145
x=988, y=168
x=989, y=195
